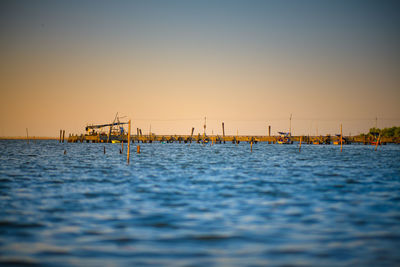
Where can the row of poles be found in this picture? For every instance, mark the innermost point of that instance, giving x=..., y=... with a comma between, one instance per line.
x=128, y=152
x=62, y=136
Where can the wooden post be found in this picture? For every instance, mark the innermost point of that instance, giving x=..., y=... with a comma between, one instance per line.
x=109, y=135
x=138, y=149
x=129, y=141
x=269, y=130
x=251, y=146
x=104, y=150
x=341, y=138
x=60, y=136
x=191, y=135
x=377, y=142
x=27, y=136
x=223, y=132
x=122, y=145
x=300, y=144
x=150, y=134
x=205, y=125
x=63, y=135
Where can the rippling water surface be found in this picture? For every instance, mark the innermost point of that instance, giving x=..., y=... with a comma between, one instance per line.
x=180, y=205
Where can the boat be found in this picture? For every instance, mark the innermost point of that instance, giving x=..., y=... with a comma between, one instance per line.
x=284, y=138
x=107, y=133
x=337, y=141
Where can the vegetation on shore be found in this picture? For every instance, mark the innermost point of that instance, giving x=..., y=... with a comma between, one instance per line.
x=385, y=132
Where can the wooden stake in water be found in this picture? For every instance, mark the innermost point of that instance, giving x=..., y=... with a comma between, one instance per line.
x=341, y=138
x=251, y=146
x=60, y=136
x=27, y=136
x=129, y=141
x=138, y=149
x=223, y=132
x=205, y=125
x=300, y=144
x=122, y=146
x=63, y=136
x=191, y=135
x=377, y=142
x=150, y=134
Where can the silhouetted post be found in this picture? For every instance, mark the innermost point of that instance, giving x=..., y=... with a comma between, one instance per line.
x=341, y=138
x=251, y=146
x=138, y=149
x=129, y=141
x=63, y=135
x=377, y=142
x=191, y=135
x=269, y=130
x=60, y=136
x=122, y=145
x=150, y=134
x=109, y=135
x=104, y=150
x=223, y=132
x=300, y=144
x=27, y=136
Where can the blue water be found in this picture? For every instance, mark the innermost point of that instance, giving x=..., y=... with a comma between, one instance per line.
x=180, y=205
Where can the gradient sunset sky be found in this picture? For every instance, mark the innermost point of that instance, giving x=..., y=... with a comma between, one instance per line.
x=251, y=64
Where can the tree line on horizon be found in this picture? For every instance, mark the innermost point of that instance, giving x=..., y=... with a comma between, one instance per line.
x=385, y=132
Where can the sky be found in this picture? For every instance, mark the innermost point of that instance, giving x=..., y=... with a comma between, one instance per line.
x=169, y=64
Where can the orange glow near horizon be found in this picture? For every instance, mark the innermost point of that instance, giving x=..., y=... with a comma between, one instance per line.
x=172, y=71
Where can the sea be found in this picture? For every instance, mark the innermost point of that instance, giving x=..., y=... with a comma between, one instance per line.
x=177, y=204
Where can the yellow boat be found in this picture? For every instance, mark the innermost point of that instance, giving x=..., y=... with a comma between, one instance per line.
x=284, y=138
